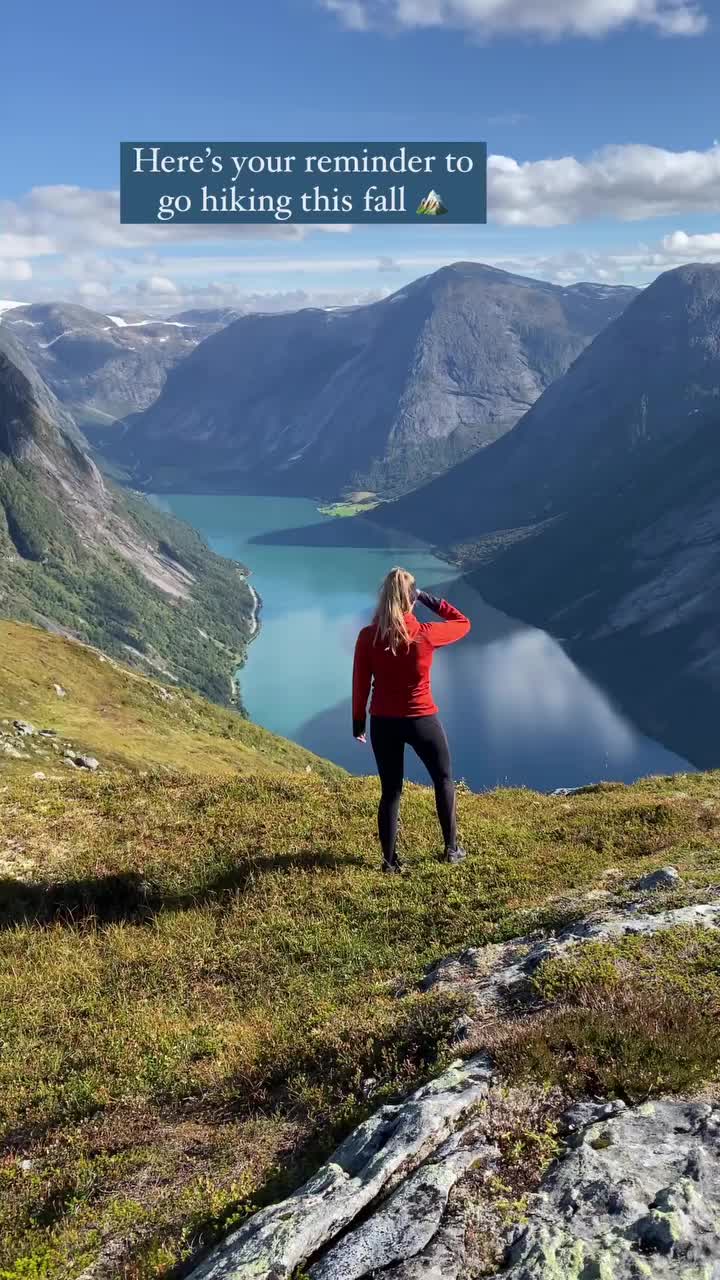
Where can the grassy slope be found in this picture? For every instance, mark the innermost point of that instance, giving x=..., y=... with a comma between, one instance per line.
x=198, y=976
x=125, y=719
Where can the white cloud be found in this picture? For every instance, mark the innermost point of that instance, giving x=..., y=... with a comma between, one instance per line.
x=158, y=286
x=694, y=248
x=626, y=182
x=15, y=269
x=67, y=242
x=93, y=290
x=545, y=18
x=67, y=219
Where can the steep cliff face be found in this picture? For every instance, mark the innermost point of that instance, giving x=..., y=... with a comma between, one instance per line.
x=379, y=397
x=78, y=556
x=642, y=385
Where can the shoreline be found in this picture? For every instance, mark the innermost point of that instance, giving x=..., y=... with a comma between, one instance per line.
x=257, y=606
x=236, y=694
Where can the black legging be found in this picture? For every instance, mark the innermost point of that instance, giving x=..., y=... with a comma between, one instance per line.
x=426, y=736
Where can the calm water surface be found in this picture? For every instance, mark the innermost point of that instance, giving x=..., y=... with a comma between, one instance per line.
x=517, y=710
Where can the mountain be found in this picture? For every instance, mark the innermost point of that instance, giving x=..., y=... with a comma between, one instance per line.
x=79, y=557
x=631, y=581
x=48, y=403
x=104, y=367
x=598, y=516
x=635, y=390
x=376, y=397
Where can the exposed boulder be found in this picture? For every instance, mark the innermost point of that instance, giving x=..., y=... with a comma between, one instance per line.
x=393, y=1143
x=409, y=1220
x=87, y=762
x=635, y=1196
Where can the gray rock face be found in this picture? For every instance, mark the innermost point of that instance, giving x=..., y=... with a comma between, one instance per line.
x=102, y=368
x=665, y=878
x=637, y=1196
x=407, y=1222
x=23, y=728
x=377, y=397
x=443, y=1259
x=394, y=1142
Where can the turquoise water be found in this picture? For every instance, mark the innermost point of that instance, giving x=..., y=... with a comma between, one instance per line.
x=517, y=710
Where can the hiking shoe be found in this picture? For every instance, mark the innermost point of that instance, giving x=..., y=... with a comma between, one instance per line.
x=454, y=856
x=394, y=868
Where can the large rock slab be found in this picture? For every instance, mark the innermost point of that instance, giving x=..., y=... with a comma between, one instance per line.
x=409, y=1220
x=390, y=1145
x=443, y=1259
x=637, y=1196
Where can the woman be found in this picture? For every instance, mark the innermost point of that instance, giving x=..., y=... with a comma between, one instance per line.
x=395, y=654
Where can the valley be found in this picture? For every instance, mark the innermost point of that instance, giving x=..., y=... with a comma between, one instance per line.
x=514, y=426
x=205, y=982
x=518, y=711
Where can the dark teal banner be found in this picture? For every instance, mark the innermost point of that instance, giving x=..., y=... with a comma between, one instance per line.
x=304, y=182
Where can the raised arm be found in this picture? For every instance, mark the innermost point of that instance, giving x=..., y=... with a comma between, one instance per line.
x=454, y=624
x=362, y=678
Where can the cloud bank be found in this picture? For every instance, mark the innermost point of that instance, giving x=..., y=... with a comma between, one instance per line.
x=549, y=19
x=67, y=241
x=626, y=182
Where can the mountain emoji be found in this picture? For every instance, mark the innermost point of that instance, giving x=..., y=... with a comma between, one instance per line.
x=432, y=206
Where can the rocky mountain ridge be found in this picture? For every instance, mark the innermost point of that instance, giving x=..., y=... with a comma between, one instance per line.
x=375, y=397
x=103, y=367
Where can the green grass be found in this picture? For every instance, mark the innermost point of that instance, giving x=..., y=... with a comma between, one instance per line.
x=627, y=1019
x=346, y=509
x=125, y=719
x=199, y=975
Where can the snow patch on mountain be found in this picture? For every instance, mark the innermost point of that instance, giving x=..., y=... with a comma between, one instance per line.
x=138, y=324
x=6, y=304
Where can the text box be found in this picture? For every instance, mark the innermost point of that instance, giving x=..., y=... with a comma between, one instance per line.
x=303, y=182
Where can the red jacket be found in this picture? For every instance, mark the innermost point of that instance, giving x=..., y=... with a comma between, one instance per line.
x=401, y=681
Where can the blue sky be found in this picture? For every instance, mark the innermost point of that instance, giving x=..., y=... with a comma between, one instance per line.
x=601, y=118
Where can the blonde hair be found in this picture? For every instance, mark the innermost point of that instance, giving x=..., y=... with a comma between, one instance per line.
x=396, y=599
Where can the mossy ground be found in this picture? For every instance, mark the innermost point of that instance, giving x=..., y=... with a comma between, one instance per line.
x=200, y=983
x=125, y=719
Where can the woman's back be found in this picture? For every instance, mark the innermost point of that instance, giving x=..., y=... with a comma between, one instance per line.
x=401, y=680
